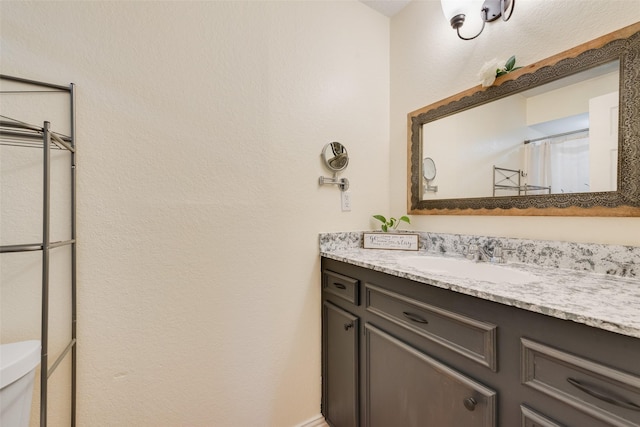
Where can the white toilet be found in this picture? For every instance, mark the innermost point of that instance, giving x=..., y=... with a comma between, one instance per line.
x=18, y=362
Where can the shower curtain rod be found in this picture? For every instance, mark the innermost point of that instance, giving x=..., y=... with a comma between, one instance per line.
x=526, y=141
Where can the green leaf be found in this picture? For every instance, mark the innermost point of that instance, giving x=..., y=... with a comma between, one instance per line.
x=380, y=218
x=510, y=63
x=501, y=73
x=405, y=219
x=384, y=227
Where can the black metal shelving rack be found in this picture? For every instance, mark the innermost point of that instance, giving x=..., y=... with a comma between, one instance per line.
x=17, y=133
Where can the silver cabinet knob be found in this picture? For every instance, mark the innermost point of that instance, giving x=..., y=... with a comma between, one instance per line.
x=470, y=403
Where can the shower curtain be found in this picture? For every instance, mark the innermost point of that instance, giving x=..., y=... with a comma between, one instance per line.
x=561, y=162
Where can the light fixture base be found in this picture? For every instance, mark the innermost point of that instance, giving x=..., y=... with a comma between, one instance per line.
x=457, y=21
x=494, y=9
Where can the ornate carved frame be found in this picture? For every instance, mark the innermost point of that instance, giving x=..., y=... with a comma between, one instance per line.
x=624, y=45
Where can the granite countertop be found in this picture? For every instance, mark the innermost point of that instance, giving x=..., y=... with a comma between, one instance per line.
x=604, y=301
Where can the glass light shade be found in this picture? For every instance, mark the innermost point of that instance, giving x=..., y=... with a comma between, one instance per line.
x=452, y=8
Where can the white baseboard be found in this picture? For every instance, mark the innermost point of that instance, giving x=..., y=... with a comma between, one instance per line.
x=317, y=421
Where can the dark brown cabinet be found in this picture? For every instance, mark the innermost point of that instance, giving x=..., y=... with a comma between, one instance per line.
x=403, y=353
x=373, y=377
x=339, y=366
x=405, y=387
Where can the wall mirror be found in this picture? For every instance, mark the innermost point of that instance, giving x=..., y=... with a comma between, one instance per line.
x=559, y=137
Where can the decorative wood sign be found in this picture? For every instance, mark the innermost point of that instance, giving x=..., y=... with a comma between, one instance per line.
x=399, y=241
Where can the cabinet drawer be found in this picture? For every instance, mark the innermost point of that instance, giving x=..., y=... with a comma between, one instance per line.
x=341, y=286
x=602, y=392
x=469, y=337
x=531, y=418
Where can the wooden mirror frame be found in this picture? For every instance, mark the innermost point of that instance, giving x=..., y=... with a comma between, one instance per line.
x=622, y=45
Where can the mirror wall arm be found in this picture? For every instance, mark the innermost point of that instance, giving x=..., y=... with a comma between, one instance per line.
x=431, y=188
x=343, y=183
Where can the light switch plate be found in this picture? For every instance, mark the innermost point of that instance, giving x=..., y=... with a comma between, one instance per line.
x=346, y=201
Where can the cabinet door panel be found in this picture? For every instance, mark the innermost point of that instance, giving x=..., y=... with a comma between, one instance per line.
x=405, y=387
x=340, y=366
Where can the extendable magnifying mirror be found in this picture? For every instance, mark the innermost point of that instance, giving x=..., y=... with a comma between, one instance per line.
x=335, y=158
x=429, y=173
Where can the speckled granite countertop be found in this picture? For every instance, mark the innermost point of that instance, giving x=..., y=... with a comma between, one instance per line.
x=606, y=301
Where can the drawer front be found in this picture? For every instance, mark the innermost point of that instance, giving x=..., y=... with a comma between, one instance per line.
x=341, y=286
x=602, y=392
x=531, y=418
x=469, y=337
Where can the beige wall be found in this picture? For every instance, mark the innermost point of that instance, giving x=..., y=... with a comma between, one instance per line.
x=429, y=63
x=200, y=127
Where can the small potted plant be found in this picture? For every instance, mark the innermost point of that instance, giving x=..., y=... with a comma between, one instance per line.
x=385, y=238
x=391, y=224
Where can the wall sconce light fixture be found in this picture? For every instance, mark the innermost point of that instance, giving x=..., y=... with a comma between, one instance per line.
x=456, y=10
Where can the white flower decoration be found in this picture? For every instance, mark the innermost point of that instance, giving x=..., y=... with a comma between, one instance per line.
x=489, y=71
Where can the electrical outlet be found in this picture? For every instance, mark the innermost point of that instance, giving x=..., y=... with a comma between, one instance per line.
x=346, y=201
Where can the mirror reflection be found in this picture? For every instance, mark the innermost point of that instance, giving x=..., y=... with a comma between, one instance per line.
x=561, y=137
x=429, y=174
x=335, y=156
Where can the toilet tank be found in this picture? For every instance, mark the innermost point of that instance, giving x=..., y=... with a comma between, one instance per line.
x=18, y=363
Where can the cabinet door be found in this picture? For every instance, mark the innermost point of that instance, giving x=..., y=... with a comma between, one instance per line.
x=405, y=387
x=339, y=366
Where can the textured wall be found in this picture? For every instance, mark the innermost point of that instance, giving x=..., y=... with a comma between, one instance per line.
x=429, y=62
x=200, y=127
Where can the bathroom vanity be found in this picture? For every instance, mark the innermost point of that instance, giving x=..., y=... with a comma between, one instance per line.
x=408, y=346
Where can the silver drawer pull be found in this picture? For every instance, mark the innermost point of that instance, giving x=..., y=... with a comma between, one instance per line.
x=602, y=395
x=414, y=317
x=339, y=285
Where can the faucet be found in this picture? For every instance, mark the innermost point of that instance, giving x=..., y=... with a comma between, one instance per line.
x=480, y=253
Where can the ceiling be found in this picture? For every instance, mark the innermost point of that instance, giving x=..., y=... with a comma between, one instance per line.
x=387, y=7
